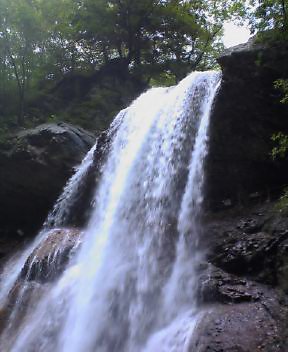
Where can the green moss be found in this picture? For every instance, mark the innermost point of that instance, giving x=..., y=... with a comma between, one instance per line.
x=163, y=79
x=282, y=204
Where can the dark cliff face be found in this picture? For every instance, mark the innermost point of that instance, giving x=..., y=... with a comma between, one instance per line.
x=34, y=166
x=244, y=285
x=247, y=112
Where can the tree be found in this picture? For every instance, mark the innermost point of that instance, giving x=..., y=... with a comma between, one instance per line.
x=153, y=36
x=269, y=14
x=42, y=41
x=20, y=35
x=61, y=50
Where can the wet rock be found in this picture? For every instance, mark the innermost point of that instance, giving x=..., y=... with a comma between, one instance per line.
x=246, y=327
x=248, y=225
x=246, y=254
x=34, y=166
x=84, y=200
x=217, y=285
x=49, y=259
x=23, y=297
x=249, y=242
x=245, y=288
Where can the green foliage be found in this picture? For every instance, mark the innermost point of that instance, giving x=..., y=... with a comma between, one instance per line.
x=281, y=139
x=157, y=41
x=171, y=36
x=20, y=35
x=163, y=79
x=281, y=148
x=268, y=14
x=282, y=204
x=282, y=85
x=268, y=19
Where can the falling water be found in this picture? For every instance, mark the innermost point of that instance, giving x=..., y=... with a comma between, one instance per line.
x=61, y=210
x=56, y=217
x=132, y=285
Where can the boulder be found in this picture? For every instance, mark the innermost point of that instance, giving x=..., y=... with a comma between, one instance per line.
x=34, y=166
x=247, y=112
x=49, y=259
x=44, y=265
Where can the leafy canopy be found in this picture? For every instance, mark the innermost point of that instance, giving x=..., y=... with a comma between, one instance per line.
x=154, y=40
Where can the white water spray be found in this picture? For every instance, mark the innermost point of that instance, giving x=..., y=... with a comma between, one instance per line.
x=132, y=286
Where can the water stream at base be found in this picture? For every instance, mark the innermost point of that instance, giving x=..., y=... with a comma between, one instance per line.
x=132, y=285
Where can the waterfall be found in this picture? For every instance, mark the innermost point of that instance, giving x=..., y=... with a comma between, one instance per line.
x=61, y=210
x=57, y=217
x=131, y=286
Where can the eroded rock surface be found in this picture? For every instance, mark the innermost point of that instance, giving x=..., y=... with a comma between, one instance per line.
x=250, y=242
x=48, y=260
x=243, y=288
x=246, y=327
x=34, y=166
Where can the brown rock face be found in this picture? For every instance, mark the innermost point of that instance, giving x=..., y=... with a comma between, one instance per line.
x=34, y=167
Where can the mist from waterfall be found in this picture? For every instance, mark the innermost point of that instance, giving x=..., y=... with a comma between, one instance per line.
x=131, y=285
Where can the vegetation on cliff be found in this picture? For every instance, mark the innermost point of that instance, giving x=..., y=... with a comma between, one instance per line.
x=82, y=61
x=52, y=53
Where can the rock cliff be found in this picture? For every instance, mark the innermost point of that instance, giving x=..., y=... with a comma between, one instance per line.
x=34, y=166
x=247, y=112
x=243, y=287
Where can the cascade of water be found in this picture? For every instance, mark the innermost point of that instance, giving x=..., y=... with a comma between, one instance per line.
x=179, y=292
x=56, y=217
x=61, y=210
x=130, y=247
x=132, y=285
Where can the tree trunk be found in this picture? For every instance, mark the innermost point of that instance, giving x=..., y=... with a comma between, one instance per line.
x=21, y=93
x=20, y=118
x=284, y=15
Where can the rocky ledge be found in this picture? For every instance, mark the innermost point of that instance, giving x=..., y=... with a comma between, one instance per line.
x=34, y=166
x=45, y=264
x=243, y=288
x=49, y=259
